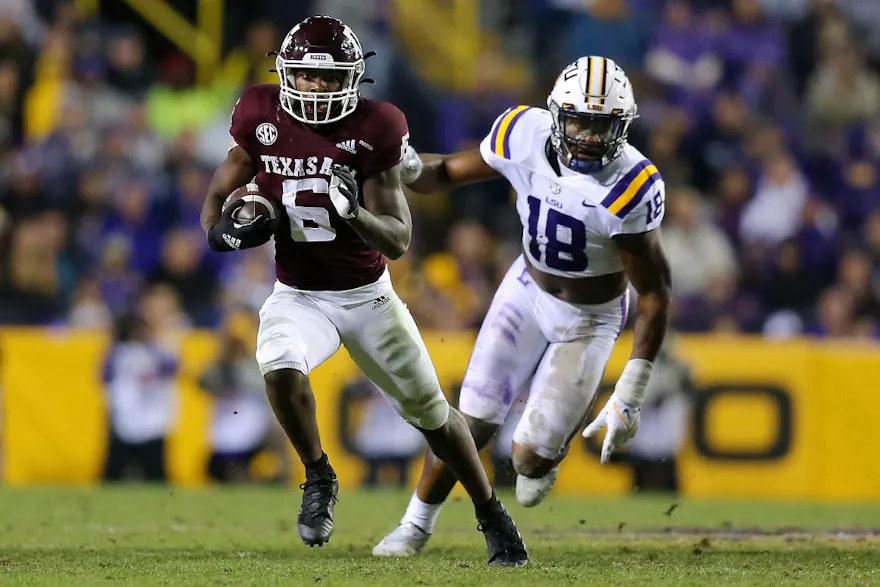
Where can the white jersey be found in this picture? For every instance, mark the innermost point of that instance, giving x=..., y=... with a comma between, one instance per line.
x=569, y=219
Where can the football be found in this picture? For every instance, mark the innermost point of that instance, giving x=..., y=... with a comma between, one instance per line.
x=246, y=213
x=256, y=204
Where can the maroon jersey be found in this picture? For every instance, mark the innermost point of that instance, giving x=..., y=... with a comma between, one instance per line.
x=319, y=251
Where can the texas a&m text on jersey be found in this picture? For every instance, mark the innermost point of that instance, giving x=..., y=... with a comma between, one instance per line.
x=318, y=250
x=590, y=205
x=330, y=159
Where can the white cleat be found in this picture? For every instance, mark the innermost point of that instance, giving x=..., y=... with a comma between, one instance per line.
x=405, y=540
x=531, y=492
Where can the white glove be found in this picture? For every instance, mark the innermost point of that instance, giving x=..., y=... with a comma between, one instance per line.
x=410, y=166
x=622, y=412
x=622, y=420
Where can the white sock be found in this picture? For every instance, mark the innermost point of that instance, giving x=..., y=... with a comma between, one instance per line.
x=424, y=515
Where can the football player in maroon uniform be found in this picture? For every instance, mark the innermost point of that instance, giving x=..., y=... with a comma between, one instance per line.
x=329, y=159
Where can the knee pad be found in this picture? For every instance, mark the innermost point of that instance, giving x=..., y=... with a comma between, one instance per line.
x=543, y=440
x=428, y=412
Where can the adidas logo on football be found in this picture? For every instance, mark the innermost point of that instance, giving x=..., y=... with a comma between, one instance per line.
x=350, y=145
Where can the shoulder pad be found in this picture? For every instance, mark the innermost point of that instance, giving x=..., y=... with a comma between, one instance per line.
x=502, y=132
x=631, y=188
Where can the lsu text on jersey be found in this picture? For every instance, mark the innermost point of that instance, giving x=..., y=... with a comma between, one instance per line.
x=531, y=342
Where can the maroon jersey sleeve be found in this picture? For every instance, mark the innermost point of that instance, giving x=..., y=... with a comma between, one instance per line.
x=248, y=110
x=390, y=137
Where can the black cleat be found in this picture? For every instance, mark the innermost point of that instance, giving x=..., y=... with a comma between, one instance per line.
x=315, y=521
x=503, y=541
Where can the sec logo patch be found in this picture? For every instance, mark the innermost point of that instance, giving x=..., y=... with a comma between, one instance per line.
x=267, y=133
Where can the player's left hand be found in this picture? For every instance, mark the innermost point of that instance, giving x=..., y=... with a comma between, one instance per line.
x=622, y=421
x=344, y=193
x=410, y=166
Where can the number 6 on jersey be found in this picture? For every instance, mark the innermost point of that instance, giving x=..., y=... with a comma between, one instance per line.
x=307, y=223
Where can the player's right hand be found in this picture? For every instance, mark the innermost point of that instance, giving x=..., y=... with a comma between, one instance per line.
x=230, y=234
x=410, y=166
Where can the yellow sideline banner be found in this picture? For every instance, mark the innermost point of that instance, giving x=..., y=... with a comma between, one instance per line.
x=793, y=419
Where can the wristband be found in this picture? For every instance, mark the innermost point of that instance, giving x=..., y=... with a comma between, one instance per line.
x=633, y=382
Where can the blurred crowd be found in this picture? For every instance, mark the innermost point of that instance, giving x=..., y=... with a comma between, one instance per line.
x=764, y=119
x=762, y=115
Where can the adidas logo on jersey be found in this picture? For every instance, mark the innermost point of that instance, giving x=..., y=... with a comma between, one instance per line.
x=350, y=145
x=380, y=301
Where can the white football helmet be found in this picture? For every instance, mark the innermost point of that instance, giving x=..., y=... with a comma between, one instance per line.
x=592, y=104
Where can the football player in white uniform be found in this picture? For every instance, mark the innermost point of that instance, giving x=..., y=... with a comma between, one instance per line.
x=590, y=206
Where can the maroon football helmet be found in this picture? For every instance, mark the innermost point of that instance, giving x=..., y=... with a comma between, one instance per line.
x=320, y=42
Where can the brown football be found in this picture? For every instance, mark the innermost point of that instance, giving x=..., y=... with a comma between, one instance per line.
x=256, y=204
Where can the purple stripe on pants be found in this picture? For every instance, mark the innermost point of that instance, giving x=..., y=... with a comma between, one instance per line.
x=624, y=310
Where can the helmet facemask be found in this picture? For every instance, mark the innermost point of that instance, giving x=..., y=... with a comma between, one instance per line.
x=587, y=142
x=313, y=107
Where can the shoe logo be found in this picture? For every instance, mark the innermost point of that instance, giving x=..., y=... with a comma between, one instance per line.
x=380, y=301
x=350, y=145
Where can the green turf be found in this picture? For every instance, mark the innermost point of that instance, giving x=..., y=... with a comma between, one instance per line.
x=156, y=536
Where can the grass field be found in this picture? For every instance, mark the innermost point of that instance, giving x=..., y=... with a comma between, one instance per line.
x=155, y=536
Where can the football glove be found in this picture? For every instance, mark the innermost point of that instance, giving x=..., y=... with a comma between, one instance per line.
x=344, y=193
x=410, y=166
x=622, y=411
x=622, y=421
x=228, y=234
